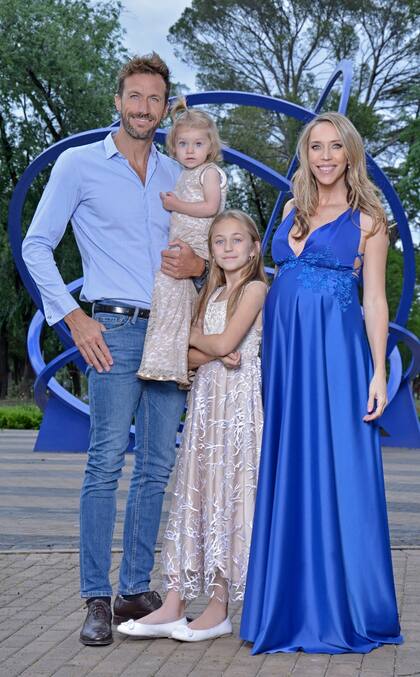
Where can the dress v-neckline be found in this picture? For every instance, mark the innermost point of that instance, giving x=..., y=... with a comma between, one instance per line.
x=324, y=225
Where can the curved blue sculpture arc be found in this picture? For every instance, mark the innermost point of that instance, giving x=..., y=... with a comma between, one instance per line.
x=409, y=278
x=275, y=104
x=65, y=423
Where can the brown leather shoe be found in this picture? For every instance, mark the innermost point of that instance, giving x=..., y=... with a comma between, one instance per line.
x=135, y=608
x=96, y=630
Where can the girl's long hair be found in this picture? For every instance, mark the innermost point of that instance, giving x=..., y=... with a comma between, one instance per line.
x=361, y=192
x=182, y=116
x=253, y=270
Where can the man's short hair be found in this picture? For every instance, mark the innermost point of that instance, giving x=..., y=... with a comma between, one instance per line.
x=148, y=63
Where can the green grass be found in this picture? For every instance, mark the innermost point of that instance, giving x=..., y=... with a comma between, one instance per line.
x=20, y=417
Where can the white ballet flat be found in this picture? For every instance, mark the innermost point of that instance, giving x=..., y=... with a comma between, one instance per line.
x=137, y=629
x=187, y=634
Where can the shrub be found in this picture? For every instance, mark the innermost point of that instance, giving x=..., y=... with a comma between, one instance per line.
x=21, y=417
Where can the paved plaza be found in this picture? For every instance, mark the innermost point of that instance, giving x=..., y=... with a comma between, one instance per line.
x=42, y=611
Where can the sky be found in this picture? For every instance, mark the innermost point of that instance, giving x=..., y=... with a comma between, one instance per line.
x=147, y=24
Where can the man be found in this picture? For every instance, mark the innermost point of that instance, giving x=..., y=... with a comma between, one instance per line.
x=110, y=192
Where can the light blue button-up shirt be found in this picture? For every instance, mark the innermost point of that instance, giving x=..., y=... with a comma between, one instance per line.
x=119, y=223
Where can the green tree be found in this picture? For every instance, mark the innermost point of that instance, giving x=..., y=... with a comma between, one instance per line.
x=58, y=65
x=286, y=49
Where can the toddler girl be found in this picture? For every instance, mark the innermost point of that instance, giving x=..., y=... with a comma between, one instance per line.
x=200, y=194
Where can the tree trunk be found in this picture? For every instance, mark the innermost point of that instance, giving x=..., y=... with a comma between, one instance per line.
x=74, y=374
x=27, y=380
x=4, y=363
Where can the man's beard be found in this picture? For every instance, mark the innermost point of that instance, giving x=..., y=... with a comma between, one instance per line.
x=135, y=133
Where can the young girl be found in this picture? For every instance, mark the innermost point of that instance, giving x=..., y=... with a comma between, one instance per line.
x=208, y=533
x=200, y=193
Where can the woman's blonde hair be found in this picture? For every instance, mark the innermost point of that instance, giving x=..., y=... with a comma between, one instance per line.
x=253, y=270
x=361, y=192
x=183, y=116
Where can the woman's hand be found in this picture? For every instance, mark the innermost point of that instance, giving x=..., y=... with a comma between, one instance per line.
x=378, y=394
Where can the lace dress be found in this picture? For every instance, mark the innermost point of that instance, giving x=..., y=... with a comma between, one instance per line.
x=210, y=521
x=165, y=354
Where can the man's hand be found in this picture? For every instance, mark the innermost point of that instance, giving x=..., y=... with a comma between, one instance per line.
x=87, y=335
x=181, y=261
x=170, y=201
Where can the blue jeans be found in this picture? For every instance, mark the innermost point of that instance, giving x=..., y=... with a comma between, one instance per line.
x=116, y=397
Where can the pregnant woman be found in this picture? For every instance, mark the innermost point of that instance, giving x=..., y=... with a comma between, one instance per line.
x=320, y=575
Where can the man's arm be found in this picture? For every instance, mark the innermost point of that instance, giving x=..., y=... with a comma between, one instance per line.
x=56, y=207
x=57, y=204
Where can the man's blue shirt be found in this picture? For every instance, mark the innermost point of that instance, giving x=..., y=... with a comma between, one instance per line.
x=119, y=223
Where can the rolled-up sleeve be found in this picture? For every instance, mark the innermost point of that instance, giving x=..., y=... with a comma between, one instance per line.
x=55, y=209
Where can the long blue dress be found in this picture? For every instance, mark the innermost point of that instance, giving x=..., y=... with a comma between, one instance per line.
x=320, y=573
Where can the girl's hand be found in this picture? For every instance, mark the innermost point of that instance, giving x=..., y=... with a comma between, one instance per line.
x=378, y=394
x=169, y=201
x=233, y=360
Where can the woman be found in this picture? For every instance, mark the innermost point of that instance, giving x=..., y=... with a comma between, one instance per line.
x=320, y=574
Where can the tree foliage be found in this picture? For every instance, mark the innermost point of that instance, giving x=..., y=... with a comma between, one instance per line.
x=287, y=49
x=58, y=61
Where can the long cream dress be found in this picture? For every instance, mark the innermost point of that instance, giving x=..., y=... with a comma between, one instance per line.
x=208, y=533
x=165, y=353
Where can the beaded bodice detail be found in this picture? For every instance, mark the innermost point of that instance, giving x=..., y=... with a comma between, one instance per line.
x=330, y=261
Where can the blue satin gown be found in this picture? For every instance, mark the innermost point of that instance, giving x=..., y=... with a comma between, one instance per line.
x=320, y=573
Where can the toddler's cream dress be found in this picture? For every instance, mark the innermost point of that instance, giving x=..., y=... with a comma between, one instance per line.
x=165, y=353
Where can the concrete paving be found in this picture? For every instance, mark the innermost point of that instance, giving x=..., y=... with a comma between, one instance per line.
x=42, y=612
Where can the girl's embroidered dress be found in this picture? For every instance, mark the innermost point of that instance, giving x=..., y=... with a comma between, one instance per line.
x=165, y=354
x=210, y=521
x=320, y=573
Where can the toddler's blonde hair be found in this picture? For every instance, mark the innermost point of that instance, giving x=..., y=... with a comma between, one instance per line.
x=183, y=116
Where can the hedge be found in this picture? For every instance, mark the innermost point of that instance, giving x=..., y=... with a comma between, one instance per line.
x=21, y=417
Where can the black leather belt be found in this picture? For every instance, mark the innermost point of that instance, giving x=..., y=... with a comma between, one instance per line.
x=120, y=310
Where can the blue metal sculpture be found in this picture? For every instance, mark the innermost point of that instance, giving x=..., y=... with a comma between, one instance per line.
x=65, y=423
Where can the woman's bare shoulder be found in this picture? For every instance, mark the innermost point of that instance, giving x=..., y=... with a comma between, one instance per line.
x=288, y=207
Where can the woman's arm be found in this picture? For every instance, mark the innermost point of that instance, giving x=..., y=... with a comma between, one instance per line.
x=205, y=208
x=238, y=326
x=375, y=309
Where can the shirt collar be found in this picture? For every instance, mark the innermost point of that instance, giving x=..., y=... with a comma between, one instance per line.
x=111, y=149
